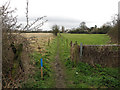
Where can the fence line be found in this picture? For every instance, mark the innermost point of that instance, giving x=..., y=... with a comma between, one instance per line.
x=106, y=55
x=102, y=45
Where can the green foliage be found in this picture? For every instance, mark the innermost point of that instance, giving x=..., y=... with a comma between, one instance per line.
x=78, y=30
x=69, y=64
x=83, y=26
x=55, y=29
x=83, y=75
x=103, y=30
x=38, y=81
x=83, y=29
x=47, y=81
x=113, y=33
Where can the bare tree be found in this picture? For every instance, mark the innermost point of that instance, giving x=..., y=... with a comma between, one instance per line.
x=9, y=39
x=27, y=16
x=114, y=19
x=8, y=20
x=9, y=24
x=33, y=25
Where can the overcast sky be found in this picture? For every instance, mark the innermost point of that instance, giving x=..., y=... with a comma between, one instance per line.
x=68, y=13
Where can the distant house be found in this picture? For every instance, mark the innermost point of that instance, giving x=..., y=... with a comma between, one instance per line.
x=67, y=30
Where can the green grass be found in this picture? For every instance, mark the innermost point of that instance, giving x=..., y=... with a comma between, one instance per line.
x=36, y=81
x=83, y=75
x=88, y=39
x=77, y=75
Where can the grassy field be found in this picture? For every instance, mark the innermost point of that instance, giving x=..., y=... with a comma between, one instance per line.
x=38, y=40
x=83, y=75
x=88, y=39
x=41, y=49
x=79, y=75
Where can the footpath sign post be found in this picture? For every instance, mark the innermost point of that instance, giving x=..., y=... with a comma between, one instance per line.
x=41, y=68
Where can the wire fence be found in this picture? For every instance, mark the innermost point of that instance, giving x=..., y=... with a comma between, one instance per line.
x=105, y=55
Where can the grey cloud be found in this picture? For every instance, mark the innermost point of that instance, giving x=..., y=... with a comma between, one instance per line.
x=53, y=19
x=62, y=19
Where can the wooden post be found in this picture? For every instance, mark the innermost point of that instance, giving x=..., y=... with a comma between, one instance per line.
x=81, y=46
x=41, y=68
x=42, y=72
x=71, y=44
x=48, y=42
x=71, y=51
x=75, y=52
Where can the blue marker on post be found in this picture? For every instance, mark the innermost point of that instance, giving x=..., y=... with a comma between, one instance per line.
x=41, y=62
x=41, y=68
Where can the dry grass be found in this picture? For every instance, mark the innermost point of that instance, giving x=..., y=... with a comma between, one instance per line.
x=8, y=60
x=31, y=42
x=38, y=41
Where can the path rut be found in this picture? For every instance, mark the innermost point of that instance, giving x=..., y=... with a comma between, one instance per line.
x=59, y=70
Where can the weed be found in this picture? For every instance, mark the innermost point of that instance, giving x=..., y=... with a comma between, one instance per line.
x=47, y=81
x=83, y=75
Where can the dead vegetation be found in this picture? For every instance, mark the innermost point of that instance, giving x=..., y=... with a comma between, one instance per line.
x=15, y=51
x=16, y=60
x=105, y=55
x=16, y=48
x=38, y=41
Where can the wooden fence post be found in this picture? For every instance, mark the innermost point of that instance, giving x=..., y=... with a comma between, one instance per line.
x=76, y=53
x=41, y=68
x=71, y=44
x=48, y=41
x=81, y=50
x=71, y=51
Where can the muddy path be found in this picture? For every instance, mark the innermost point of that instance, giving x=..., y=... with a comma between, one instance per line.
x=59, y=69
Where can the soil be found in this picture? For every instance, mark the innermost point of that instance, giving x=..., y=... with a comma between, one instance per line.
x=59, y=70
